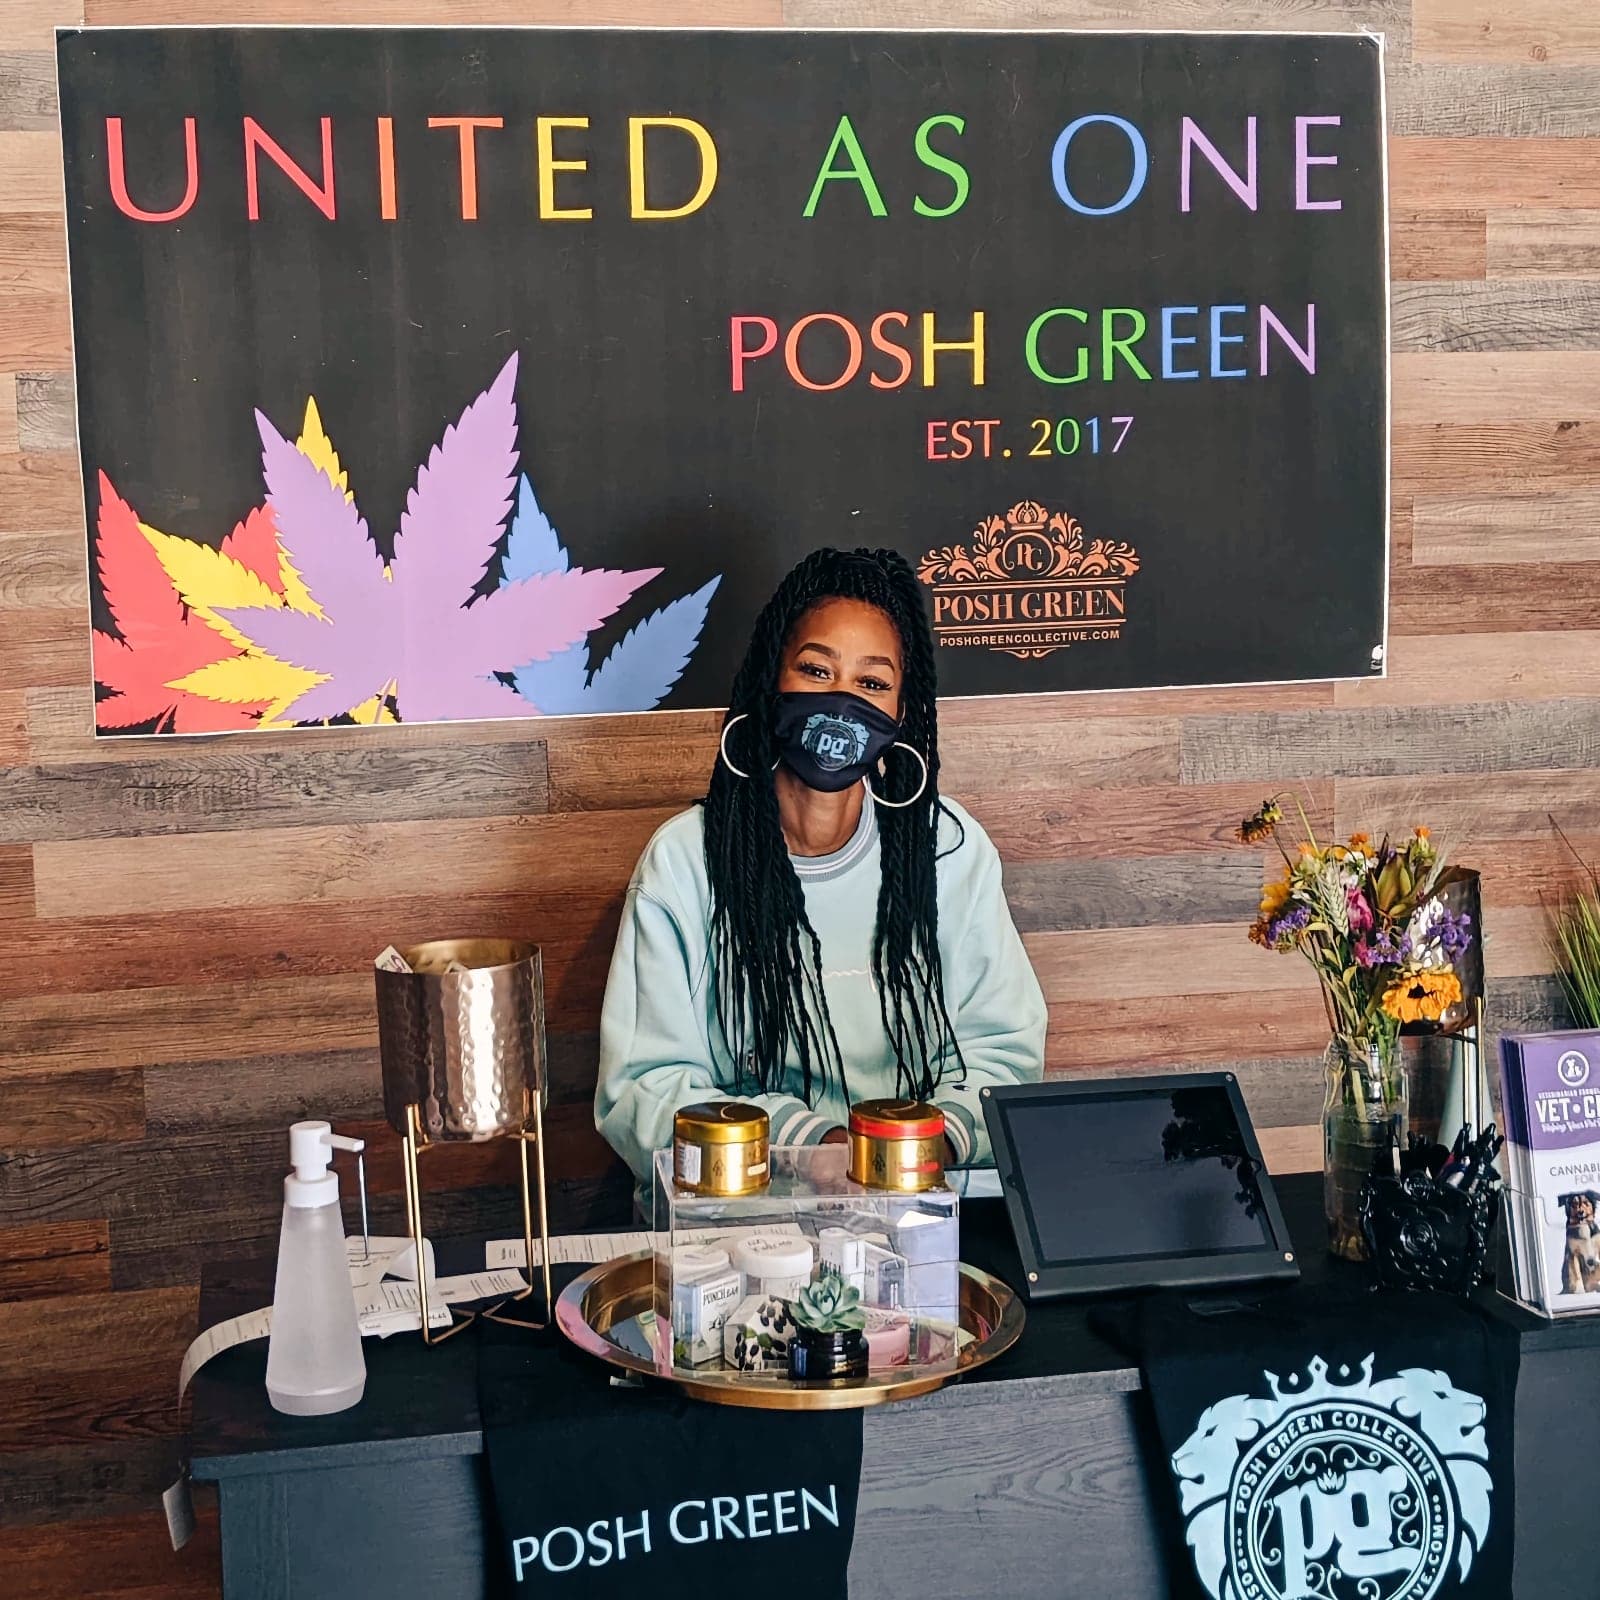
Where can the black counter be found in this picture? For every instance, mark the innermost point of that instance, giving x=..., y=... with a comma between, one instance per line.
x=1018, y=1478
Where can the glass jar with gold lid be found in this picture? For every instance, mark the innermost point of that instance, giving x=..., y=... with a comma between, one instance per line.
x=719, y=1148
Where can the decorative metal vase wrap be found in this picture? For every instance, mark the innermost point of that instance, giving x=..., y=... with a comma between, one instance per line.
x=461, y=1037
x=1460, y=893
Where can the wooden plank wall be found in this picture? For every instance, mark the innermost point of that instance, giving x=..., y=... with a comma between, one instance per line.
x=185, y=928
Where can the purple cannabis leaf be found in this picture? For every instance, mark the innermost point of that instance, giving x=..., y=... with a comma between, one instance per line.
x=417, y=625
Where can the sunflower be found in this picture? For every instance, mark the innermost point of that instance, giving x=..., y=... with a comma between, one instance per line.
x=1259, y=826
x=1274, y=897
x=1422, y=996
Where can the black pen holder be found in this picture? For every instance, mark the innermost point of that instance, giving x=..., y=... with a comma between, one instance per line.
x=1422, y=1234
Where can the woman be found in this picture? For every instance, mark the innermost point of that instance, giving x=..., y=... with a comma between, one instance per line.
x=819, y=931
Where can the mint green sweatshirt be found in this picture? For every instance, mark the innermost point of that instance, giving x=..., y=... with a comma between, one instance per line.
x=661, y=1048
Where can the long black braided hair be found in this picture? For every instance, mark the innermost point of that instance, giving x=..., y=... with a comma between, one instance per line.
x=768, y=977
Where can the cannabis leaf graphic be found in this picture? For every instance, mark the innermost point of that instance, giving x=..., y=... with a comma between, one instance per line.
x=208, y=582
x=641, y=668
x=159, y=642
x=415, y=624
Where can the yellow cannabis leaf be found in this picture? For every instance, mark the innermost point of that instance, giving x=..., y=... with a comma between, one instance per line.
x=376, y=709
x=248, y=680
x=315, y=445
x=206, y=578
x=209, y=581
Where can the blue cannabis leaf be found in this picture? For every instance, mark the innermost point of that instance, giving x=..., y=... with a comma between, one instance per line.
x=556, y=685
x=646, y=662
x=650, y=657
x=533, y=546
x=638, y=674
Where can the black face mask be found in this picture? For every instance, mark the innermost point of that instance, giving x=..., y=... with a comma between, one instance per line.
x=830, y=740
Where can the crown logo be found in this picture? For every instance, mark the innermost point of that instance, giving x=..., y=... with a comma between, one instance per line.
x=1027, y=583
x=1317, y=1385
x=1030, y=542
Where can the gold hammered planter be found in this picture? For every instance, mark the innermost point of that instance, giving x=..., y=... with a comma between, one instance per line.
x=461, y=1040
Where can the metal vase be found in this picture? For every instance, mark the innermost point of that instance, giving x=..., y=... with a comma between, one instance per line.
x=461, y=1041
x=461, y=1038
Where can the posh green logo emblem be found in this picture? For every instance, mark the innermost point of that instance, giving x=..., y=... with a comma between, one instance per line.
x=1029, y=583
x=1337, y=1490
x=834, y=742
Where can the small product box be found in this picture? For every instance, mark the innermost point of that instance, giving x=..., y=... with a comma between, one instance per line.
x=730, y=1269
x=706, y=1290
x=1550, y=1094
x=888, y=1339
x=846, y=1253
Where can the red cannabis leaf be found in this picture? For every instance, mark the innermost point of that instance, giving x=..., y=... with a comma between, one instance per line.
x=160, y=640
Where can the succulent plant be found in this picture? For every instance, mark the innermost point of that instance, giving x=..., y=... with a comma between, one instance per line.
x=830, y=1305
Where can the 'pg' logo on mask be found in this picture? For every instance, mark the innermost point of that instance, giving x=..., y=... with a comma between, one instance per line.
x=834, y=742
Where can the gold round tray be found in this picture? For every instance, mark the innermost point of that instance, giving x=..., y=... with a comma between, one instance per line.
x=611, y=1293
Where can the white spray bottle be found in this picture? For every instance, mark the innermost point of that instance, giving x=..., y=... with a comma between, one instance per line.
x=314, y=1360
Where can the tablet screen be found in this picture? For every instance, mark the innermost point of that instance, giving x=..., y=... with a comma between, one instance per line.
x=1136, y=1174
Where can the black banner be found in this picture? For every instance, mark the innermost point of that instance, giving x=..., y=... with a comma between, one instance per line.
x=602, y=1491
x=1325, y=1447
x=446, y=373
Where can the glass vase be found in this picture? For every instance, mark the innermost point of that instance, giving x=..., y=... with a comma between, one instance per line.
x=1364, y=1115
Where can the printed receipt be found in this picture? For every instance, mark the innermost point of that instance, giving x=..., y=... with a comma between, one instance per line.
x=385, y=1304
x=569, y=1248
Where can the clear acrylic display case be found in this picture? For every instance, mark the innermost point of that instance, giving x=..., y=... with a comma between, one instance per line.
x=727, y=1270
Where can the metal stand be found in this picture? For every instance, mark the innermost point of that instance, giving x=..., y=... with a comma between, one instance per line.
x=537, y=1139
x=413, y=1145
